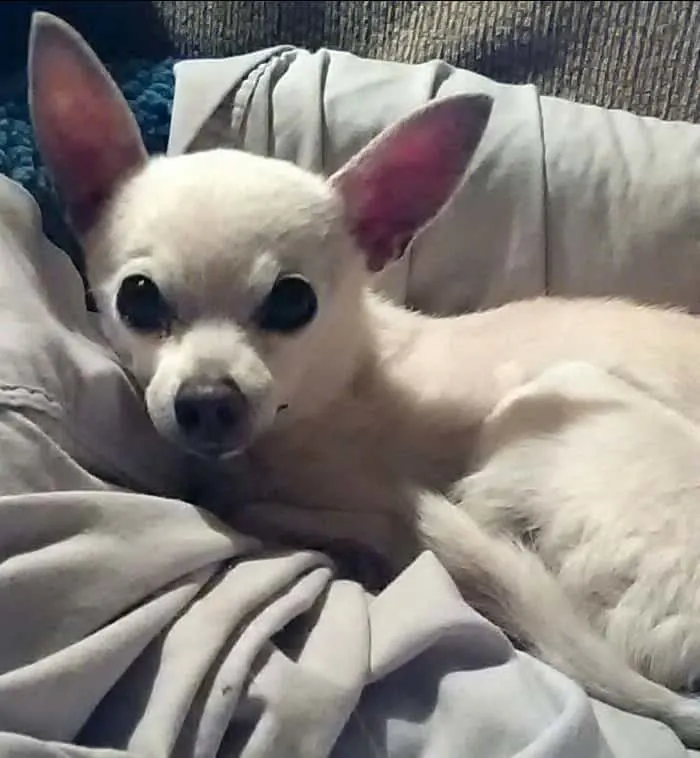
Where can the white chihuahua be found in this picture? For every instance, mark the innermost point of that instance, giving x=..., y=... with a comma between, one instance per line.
x=512, y=443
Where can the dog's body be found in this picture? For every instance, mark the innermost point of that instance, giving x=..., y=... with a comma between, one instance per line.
x=411, y=421
x=534, y=446
x=236, y=290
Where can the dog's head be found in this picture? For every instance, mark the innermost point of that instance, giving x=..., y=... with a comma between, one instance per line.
x=231, y=285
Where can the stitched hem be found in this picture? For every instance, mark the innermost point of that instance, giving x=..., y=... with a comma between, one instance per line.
x=545, y=202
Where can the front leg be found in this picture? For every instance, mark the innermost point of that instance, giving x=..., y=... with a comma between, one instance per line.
x=369, y=546
x=365, y=547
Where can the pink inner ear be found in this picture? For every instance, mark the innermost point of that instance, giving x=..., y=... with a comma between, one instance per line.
x=88, y=152
x=87, y=135
x=395, y=187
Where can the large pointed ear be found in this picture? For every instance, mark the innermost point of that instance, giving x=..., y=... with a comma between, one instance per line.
x=85, y=131
x=402, y=178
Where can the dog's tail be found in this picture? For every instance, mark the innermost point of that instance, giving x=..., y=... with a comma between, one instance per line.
x=513, y=588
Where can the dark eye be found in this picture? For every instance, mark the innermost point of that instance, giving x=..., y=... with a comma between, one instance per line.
x=290, y=305
x=141, y=305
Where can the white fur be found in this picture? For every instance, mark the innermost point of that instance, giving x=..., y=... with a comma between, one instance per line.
x=547, y=451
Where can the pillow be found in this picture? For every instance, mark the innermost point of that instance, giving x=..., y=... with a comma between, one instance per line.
x=561, y=198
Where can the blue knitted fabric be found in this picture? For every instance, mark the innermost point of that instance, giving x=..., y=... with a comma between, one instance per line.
x=148, y=88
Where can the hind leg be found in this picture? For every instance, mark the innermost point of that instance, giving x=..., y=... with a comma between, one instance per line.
x=603, y=481
x=664, y=646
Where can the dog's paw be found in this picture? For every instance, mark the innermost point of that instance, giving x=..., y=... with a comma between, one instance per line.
x=359, y=564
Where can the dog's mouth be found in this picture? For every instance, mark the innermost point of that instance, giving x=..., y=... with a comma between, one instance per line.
x=214, y=451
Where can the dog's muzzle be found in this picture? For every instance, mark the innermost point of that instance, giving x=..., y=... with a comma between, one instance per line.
x=213, y=416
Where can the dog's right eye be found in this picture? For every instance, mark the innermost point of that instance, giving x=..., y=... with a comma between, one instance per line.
x=141, y=305
x=290, y=305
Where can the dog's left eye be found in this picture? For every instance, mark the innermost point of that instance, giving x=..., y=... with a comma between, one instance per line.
x=142, y=306
x=290, y=305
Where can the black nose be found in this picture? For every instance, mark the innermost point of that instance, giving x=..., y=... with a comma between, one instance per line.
x=212, y=415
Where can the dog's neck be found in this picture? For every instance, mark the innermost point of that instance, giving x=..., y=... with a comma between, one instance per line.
x=378, y=387
x=355, y=356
